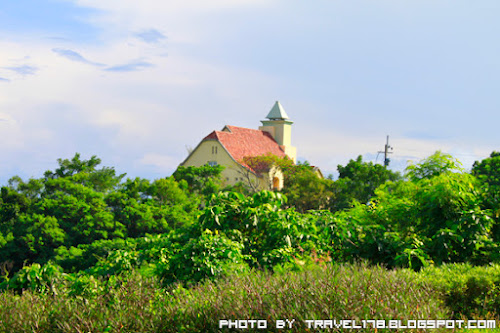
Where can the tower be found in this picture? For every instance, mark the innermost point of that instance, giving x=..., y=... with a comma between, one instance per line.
x=280, y=128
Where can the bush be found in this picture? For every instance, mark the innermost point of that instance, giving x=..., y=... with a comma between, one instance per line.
x=208, y=256
x=468, y=291
x=43, y=279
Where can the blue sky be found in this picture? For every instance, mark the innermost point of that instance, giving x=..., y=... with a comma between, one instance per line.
x=137, y=83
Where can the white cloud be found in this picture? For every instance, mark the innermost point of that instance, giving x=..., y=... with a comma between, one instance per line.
x=161, y=162
x=181, y=21
x=166, y=87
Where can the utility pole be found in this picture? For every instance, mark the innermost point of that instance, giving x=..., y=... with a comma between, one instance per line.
x=386, y=152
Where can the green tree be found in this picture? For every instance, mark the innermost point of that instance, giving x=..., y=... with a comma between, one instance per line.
x=256, y=167
x=204, y=180
x=358, y=181
x=488, y=173
x=32, y=189
x=433, y=165
x=151, y=207
x=270, y=235
x=85, y=172
x=305, y=189
x=438, y=215
x=66, y=207
x=303, y=186
x=488, y=170
x=209, y=255
x=167, y=191
x=81, y=211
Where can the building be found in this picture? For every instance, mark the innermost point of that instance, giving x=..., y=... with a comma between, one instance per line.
x=232, y=145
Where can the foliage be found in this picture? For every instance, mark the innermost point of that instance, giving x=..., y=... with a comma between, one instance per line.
x=43, y=279
x=358, y=181
x=487, y=172
x=304, y=188
x=269, y=234
x=82, y=240
x=205, y=180
x=110, y=255
x=468, y=291
x=84, y=172
x=210, y=255
x=128, y=304
x=417, y=223
x=432, y=220
x=79, y=203
x=134, y=303
x=434, y=165
x=263, y=163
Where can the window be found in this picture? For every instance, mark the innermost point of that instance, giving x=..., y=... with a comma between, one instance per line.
x=212, y=163
x=214, y=149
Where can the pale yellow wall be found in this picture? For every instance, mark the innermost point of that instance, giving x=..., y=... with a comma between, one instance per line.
x=233, y=171
x=291, y=152
x=270, y=130
x=281, y=131
x=204, y=153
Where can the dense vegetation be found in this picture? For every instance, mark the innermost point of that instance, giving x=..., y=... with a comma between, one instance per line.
x=89, y=247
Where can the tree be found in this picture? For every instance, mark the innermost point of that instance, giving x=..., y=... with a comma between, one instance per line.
x=256, y=167
x=167, y=191
x=358, y=181
x=304, y=189
x=85, y=172
x=152, y=207
x=269, y=234
x=488, y=170
x=434, y=165
x=66, y=207
x=204, y=180
x=488, y=173
x=438, y=212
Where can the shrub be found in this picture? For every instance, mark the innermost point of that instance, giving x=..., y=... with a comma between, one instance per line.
x=467, y=290
x=208, y=256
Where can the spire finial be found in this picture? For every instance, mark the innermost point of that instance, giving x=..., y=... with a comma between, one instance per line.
x=277, y=112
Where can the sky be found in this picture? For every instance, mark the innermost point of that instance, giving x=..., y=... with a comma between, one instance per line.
x=138, y=83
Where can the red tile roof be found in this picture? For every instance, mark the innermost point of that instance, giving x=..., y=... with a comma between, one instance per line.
x=243, y=142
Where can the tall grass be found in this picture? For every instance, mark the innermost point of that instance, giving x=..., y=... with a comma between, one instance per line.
x=139, y=304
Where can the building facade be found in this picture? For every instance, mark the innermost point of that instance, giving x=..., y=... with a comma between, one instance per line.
x=232, y=145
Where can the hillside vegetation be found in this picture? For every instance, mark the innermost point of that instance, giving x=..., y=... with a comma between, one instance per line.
x=84, y=249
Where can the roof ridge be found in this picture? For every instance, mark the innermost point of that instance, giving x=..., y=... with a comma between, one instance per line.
x=240, y=142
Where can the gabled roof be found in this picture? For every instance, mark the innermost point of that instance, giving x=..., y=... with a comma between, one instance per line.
x=243, y=142
x=277, y=112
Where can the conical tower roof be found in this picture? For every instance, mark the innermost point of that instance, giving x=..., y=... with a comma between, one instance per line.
x=277, y=112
